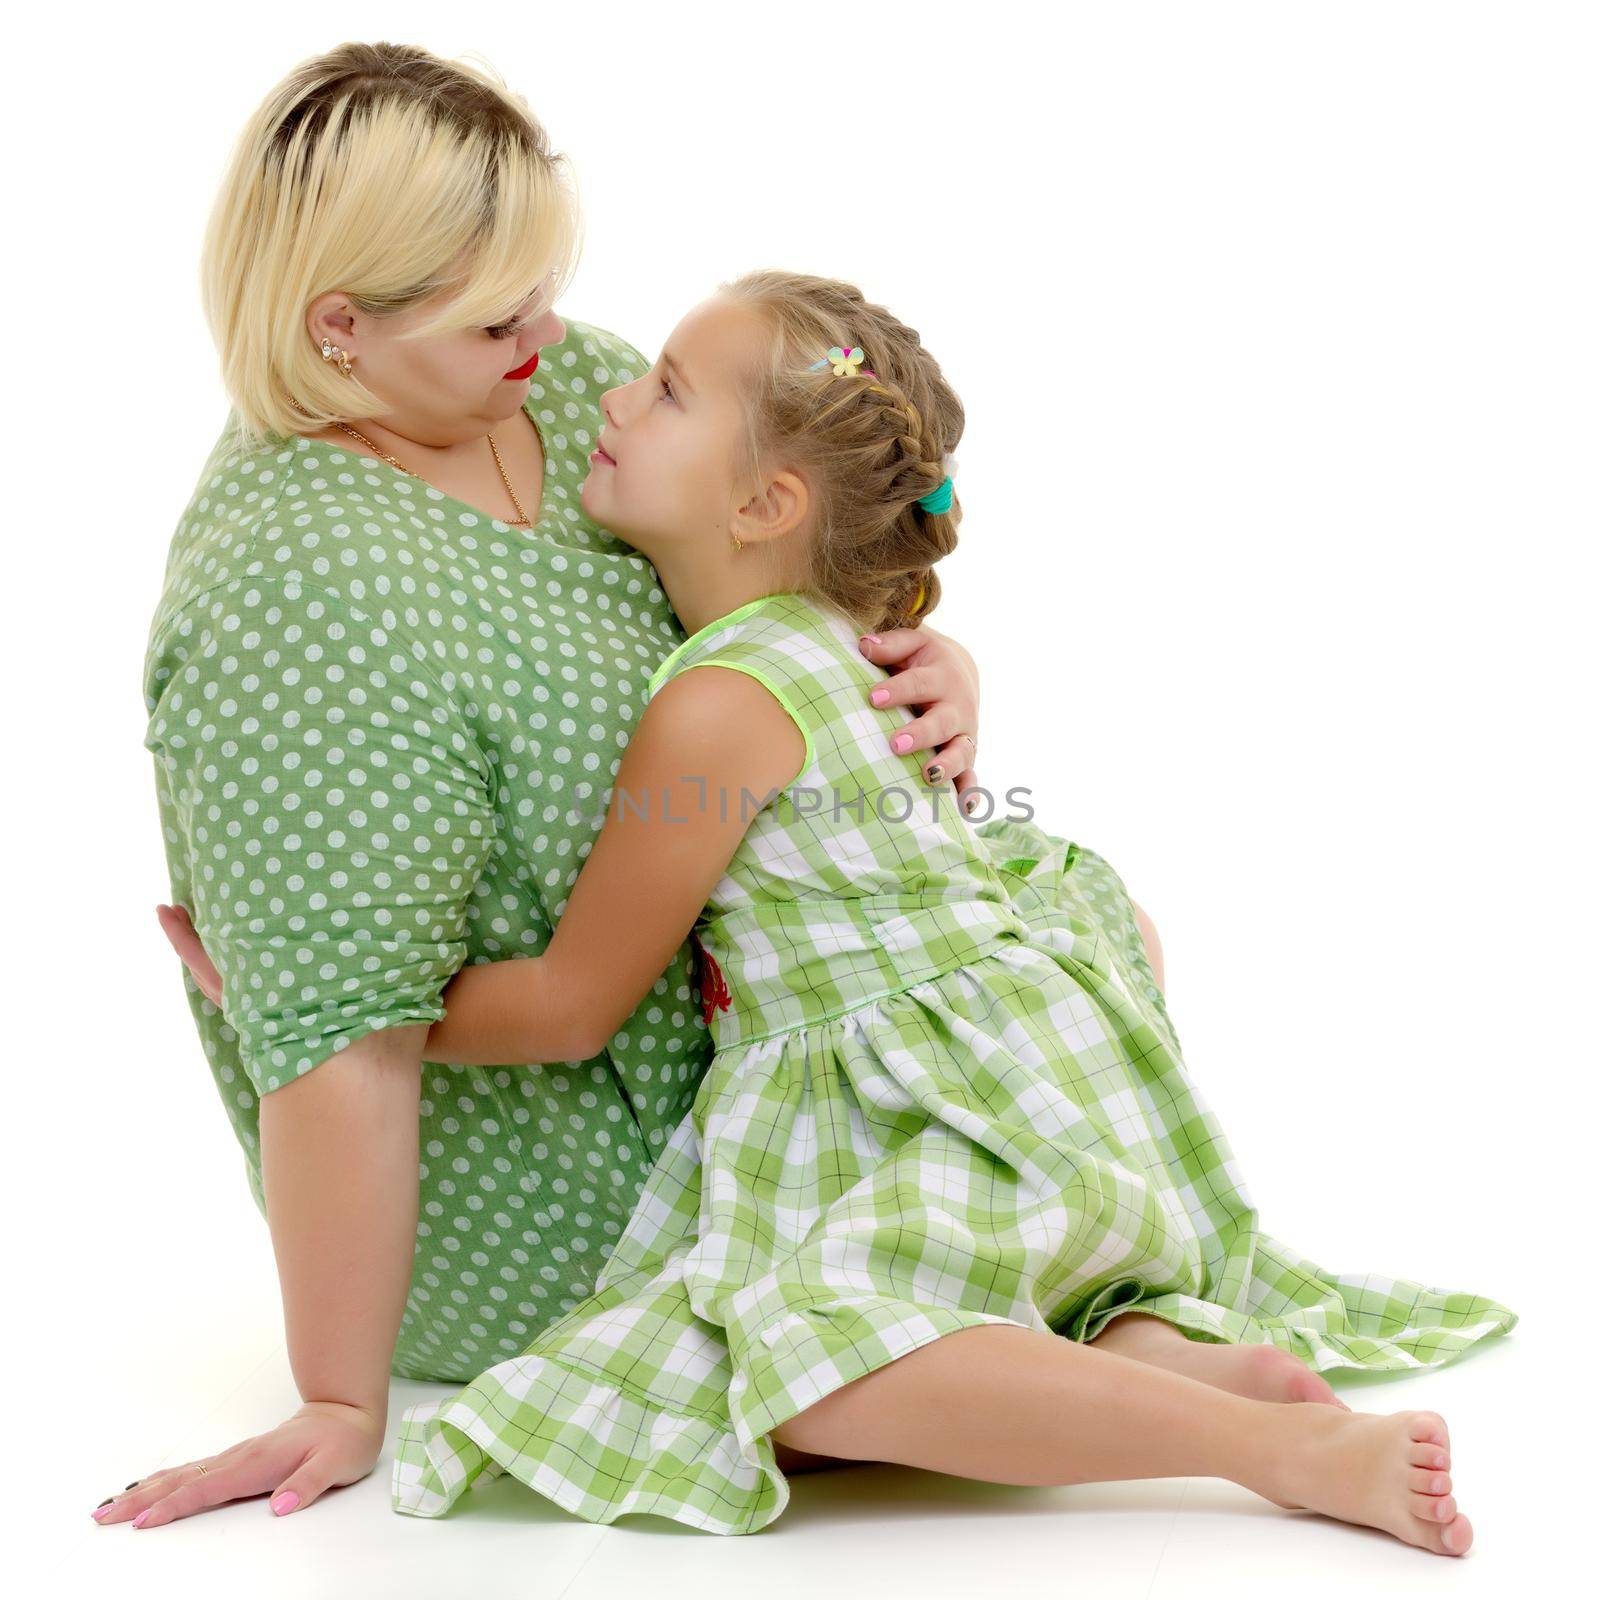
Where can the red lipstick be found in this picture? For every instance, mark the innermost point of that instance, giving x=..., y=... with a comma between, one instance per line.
x=528, y=370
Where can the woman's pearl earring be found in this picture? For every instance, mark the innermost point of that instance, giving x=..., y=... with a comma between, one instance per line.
x=330, y=351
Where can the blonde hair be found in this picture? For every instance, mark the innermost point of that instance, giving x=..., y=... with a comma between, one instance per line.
x=391, y=175
x=868, y=447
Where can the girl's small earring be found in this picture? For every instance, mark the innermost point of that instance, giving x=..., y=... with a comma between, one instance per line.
x=331, y=351
x=738, y=543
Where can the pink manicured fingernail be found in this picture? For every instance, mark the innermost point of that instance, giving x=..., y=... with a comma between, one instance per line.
x=878, y=696
x=285, y=1502
x=901, y=743
x=869, y=638
x=138, y=1521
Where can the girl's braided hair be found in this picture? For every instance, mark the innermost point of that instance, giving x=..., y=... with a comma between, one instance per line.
x=868, y=447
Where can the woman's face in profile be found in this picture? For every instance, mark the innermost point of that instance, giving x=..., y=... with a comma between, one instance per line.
x=440, y=389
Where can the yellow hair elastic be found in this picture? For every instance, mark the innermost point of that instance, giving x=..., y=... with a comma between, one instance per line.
x=916, y=605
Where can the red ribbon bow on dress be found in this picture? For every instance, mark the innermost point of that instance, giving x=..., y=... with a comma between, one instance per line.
x=713, y=989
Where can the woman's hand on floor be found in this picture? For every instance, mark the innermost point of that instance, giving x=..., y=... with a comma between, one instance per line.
x=180, y=932
x=323, y=1444
x=932, y=671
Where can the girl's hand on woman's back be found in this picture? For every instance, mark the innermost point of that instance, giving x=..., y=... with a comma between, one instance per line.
x=323, y=1444
x=180, y=932
x=932, y=671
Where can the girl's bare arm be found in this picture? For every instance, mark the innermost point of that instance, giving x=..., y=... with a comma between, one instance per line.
x=675, y=820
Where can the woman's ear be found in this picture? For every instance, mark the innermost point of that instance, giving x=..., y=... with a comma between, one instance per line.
x=328, y=317
x=774, y=511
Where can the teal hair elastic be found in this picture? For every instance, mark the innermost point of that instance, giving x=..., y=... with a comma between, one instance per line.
x=939, y=500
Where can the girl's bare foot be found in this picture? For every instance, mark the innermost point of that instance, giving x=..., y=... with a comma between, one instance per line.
x=1257, y=1371
x=1389, y=1472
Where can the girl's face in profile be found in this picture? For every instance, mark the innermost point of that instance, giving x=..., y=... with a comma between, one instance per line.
x=664, y=469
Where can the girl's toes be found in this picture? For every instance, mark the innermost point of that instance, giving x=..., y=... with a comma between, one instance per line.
x=1424, y=1481
x=1427, y=1427
x=1434, y=1507
x=1430, y=1536
x=1456, y=1536
x=1429, y=1455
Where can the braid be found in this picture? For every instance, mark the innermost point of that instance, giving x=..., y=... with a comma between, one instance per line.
x=911, y=467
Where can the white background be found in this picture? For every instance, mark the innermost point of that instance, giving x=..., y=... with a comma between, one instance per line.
x=1276, y=329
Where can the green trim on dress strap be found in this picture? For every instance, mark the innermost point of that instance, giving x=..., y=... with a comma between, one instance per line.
x=738, y=614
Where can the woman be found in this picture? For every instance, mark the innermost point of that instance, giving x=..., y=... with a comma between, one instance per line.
x=389, y=678
x=385, y=710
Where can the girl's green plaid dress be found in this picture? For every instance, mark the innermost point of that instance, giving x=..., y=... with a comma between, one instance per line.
x=945, y=1092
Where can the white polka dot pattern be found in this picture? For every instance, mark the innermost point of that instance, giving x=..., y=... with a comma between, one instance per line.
x=385, y=727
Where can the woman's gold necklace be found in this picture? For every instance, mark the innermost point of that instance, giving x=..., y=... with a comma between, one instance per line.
x=521, y=520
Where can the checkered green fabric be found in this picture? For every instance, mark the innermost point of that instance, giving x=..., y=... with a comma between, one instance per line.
x=946, y=1092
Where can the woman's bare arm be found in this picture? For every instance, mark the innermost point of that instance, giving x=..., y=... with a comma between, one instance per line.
x=339, y=1169
x=339, y=1172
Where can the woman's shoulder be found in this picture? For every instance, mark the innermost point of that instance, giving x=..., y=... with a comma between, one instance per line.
x=239, y=489
x=305, y=518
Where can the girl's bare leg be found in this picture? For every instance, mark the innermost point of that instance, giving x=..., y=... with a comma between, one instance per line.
x=1256, y=1371
x=1011, y=1405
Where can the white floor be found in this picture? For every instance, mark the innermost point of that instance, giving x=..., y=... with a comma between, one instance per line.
x=868, y=1530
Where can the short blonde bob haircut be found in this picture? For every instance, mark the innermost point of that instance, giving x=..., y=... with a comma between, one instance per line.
x=391, y=175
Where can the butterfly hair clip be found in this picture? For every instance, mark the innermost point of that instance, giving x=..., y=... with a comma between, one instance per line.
x=846, y=362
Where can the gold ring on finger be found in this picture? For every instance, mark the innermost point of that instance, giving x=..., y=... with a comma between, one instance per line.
x=202, y=1468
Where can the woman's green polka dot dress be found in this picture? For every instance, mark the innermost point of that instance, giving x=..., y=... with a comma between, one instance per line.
x=384, y=727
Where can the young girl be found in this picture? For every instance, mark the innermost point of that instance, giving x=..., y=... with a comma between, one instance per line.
x=946, y=1094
